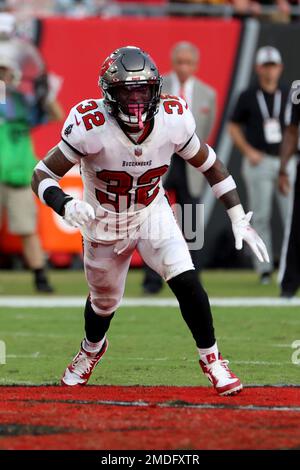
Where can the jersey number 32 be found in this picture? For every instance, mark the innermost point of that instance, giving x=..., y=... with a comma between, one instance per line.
x=120, y=193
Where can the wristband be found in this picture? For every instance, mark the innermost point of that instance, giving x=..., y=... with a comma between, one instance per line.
x=209, y=162
x=55, y=198
x=236, y=213
x=223, y=187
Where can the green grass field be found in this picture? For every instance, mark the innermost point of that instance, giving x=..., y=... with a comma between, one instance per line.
x=149, y=345
x=217, y=283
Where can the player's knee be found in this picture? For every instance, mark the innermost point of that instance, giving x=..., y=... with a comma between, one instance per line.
x=105, y=305
x=187, y=286
x=176, y=261
x=106, y=294
x=188, y=277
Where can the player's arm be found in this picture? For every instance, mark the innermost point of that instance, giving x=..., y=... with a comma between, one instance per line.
x=217, y=175
x=224, y=188
x=45, y=184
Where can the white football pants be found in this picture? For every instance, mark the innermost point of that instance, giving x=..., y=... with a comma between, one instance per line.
x=160, y=244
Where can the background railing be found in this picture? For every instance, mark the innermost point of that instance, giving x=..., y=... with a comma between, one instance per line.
x=186, y=9
x=112, y=8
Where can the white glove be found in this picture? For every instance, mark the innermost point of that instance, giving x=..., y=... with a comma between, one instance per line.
x=242, y=230
x=78, y=213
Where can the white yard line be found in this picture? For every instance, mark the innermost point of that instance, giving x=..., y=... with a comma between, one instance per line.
x=37, y=355
x=7, y=382
x=64, y=302
x=34, y=334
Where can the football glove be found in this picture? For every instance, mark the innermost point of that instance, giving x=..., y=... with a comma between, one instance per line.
x=242, y=230
x=78, y=213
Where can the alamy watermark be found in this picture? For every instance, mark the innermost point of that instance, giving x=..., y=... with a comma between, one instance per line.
x=296, y=354
x=2, y=352
x=136, y=223
x=295, y=92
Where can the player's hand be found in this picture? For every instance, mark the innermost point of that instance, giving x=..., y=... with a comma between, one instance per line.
x=254, y=156
x=243, y=231
x=284, y=183
x=78, y=213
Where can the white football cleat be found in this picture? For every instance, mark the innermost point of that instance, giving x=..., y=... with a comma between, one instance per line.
x=82, y=366
x=218, y=373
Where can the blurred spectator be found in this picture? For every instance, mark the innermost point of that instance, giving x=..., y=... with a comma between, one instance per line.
x=256, y=128
x=24, y=54
x=207, y=2
x=82, y=8
x=279, y=11
x=255, y=8
x=34, y=81
x=17, y=160
x=76, y=8
x=182, y=177
x=209, y=7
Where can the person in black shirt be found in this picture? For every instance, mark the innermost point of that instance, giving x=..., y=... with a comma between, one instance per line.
x=289, y=272
x=256, y=127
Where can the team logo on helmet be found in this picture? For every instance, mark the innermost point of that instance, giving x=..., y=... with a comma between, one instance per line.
x=107, y=64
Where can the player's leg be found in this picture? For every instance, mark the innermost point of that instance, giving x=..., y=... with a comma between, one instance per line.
x=196, y=311
x=106, y=273
x=174, y=180
x=170, y=257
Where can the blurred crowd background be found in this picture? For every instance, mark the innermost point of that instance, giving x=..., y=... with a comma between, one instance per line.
x=274, y=10
x=50, y=54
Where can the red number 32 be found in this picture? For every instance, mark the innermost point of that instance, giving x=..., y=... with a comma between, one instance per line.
x=91, y=120
x=119, y=184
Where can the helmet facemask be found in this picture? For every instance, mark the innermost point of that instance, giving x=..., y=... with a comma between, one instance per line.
x=134, y=103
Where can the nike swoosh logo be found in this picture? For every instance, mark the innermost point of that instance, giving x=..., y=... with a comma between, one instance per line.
x=78, y=123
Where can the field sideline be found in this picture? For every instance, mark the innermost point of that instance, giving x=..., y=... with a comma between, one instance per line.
x=157, y=418
x=149, y=380
x=219, y=283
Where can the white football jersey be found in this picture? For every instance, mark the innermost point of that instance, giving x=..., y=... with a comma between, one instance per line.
x=122, y=178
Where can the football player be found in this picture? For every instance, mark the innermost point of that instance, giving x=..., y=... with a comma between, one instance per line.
x=123, y=144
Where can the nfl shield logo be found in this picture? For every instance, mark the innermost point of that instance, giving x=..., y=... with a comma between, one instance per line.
x=138, y=151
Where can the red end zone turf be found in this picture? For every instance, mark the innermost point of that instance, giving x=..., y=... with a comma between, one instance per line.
x=148, y=418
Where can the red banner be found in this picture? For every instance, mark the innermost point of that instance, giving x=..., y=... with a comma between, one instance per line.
x=74, y=50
